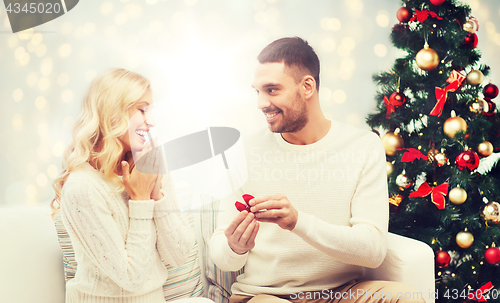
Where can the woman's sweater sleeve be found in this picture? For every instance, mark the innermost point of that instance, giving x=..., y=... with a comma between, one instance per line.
x=127, y=261
x=175, y=237
x=364, y=243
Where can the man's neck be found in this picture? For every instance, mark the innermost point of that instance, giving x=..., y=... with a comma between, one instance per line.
x=314, y=131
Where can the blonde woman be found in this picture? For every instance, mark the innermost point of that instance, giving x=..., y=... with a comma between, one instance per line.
x=123, y=228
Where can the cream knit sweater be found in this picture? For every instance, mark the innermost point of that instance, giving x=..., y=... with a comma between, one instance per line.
x=121, y=246
x=339, y=186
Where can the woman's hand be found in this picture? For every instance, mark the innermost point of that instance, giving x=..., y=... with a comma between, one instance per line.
x=156, y=194
x=140, y=185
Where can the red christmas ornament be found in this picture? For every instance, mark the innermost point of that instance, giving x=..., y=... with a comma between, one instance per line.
x=467, y=159
x=395, y=100
x=470, y=41
x=492, y=255
x=442, y=258
x=404, y=14
x=490, y=91
x=437, y=2
x=491, y=111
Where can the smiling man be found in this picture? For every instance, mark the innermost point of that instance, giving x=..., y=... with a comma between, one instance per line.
x=320, y=212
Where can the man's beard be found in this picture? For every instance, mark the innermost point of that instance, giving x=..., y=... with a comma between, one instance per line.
x=294, y=120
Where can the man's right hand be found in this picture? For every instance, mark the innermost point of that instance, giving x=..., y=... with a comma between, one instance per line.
x=241, y=232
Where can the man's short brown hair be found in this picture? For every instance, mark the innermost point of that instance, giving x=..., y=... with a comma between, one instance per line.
x=296, y=53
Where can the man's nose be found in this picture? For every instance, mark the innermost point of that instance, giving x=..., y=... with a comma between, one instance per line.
x=262, y=102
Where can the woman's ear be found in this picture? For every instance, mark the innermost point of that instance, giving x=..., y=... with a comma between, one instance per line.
x=308, y=86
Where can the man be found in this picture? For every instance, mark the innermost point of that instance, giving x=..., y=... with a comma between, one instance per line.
x=320, y=211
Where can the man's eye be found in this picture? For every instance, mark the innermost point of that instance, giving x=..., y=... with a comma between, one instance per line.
x=272, y=90
x=142, y=110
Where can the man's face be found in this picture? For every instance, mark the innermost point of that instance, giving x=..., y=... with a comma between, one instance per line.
x=279, y=98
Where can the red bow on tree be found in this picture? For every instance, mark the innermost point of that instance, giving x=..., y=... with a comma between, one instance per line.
x=455, y=79
x=412, y=154
x=478, y=295
x=422, y=15
x=390, y=107
x=438, y=193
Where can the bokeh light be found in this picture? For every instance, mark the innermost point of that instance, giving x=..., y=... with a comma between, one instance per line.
x=52, y=171
x=383, y=18
x=58, y=149
x=339, y=96
x=67, y=96
x=106, y=8
x=17, y=95
x=65, y=50
x=40, y=102
x=380, y=50
x=17, y=122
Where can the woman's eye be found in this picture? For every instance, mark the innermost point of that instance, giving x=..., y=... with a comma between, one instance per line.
x=142, y=110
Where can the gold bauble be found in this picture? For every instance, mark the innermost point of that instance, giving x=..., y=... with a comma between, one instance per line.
x=491, y=212
x=453, y=125
x=390, y=168
x=392, y=141
x=431, y=155
x=485, y=149
x=427, y=59
x=439, y=157
x=464, y=239
x=478, y=106
x=457, y=195
x=470, y=26
x=475, y=77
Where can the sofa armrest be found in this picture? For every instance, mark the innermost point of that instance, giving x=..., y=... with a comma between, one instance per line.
x=30, y=259
x=408, y=261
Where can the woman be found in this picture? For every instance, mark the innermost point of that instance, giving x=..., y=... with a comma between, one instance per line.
x=123, y=228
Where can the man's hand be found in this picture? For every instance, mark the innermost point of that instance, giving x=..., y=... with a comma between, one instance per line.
x=276, y=209
x=241, y=232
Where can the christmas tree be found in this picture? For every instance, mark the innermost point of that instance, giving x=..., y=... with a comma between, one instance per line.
x=442, y=141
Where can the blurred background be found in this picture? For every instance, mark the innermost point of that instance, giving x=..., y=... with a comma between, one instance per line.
x=200, y=56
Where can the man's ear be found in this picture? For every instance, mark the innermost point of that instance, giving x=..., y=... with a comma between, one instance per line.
x=308, y=86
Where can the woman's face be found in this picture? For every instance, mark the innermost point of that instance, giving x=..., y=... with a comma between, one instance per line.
x=139, y=114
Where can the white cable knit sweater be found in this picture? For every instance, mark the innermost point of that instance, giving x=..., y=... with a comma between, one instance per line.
x=339, y=187
x=121, y=246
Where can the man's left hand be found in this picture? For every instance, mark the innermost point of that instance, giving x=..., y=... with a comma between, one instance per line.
x=276, y=209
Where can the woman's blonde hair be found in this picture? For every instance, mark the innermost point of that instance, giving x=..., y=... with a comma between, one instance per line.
x=102, y=121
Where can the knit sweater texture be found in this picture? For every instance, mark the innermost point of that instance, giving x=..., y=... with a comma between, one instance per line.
x=339, y=187
x=122, y=246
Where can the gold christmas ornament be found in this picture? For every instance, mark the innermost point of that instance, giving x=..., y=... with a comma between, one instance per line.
x=470, y=26
x=439, y=157
x=485, y=149
x=431, y=154
x=390, y=168
x=464, y=239
x=475, y=77
x=427, y=59
x=392, y=141
x=491, y=212
x=457, y=195
x=478, y=106
x=395, y=199
x=453, y=125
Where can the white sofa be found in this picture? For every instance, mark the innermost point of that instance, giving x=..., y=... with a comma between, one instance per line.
x=31, y=267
